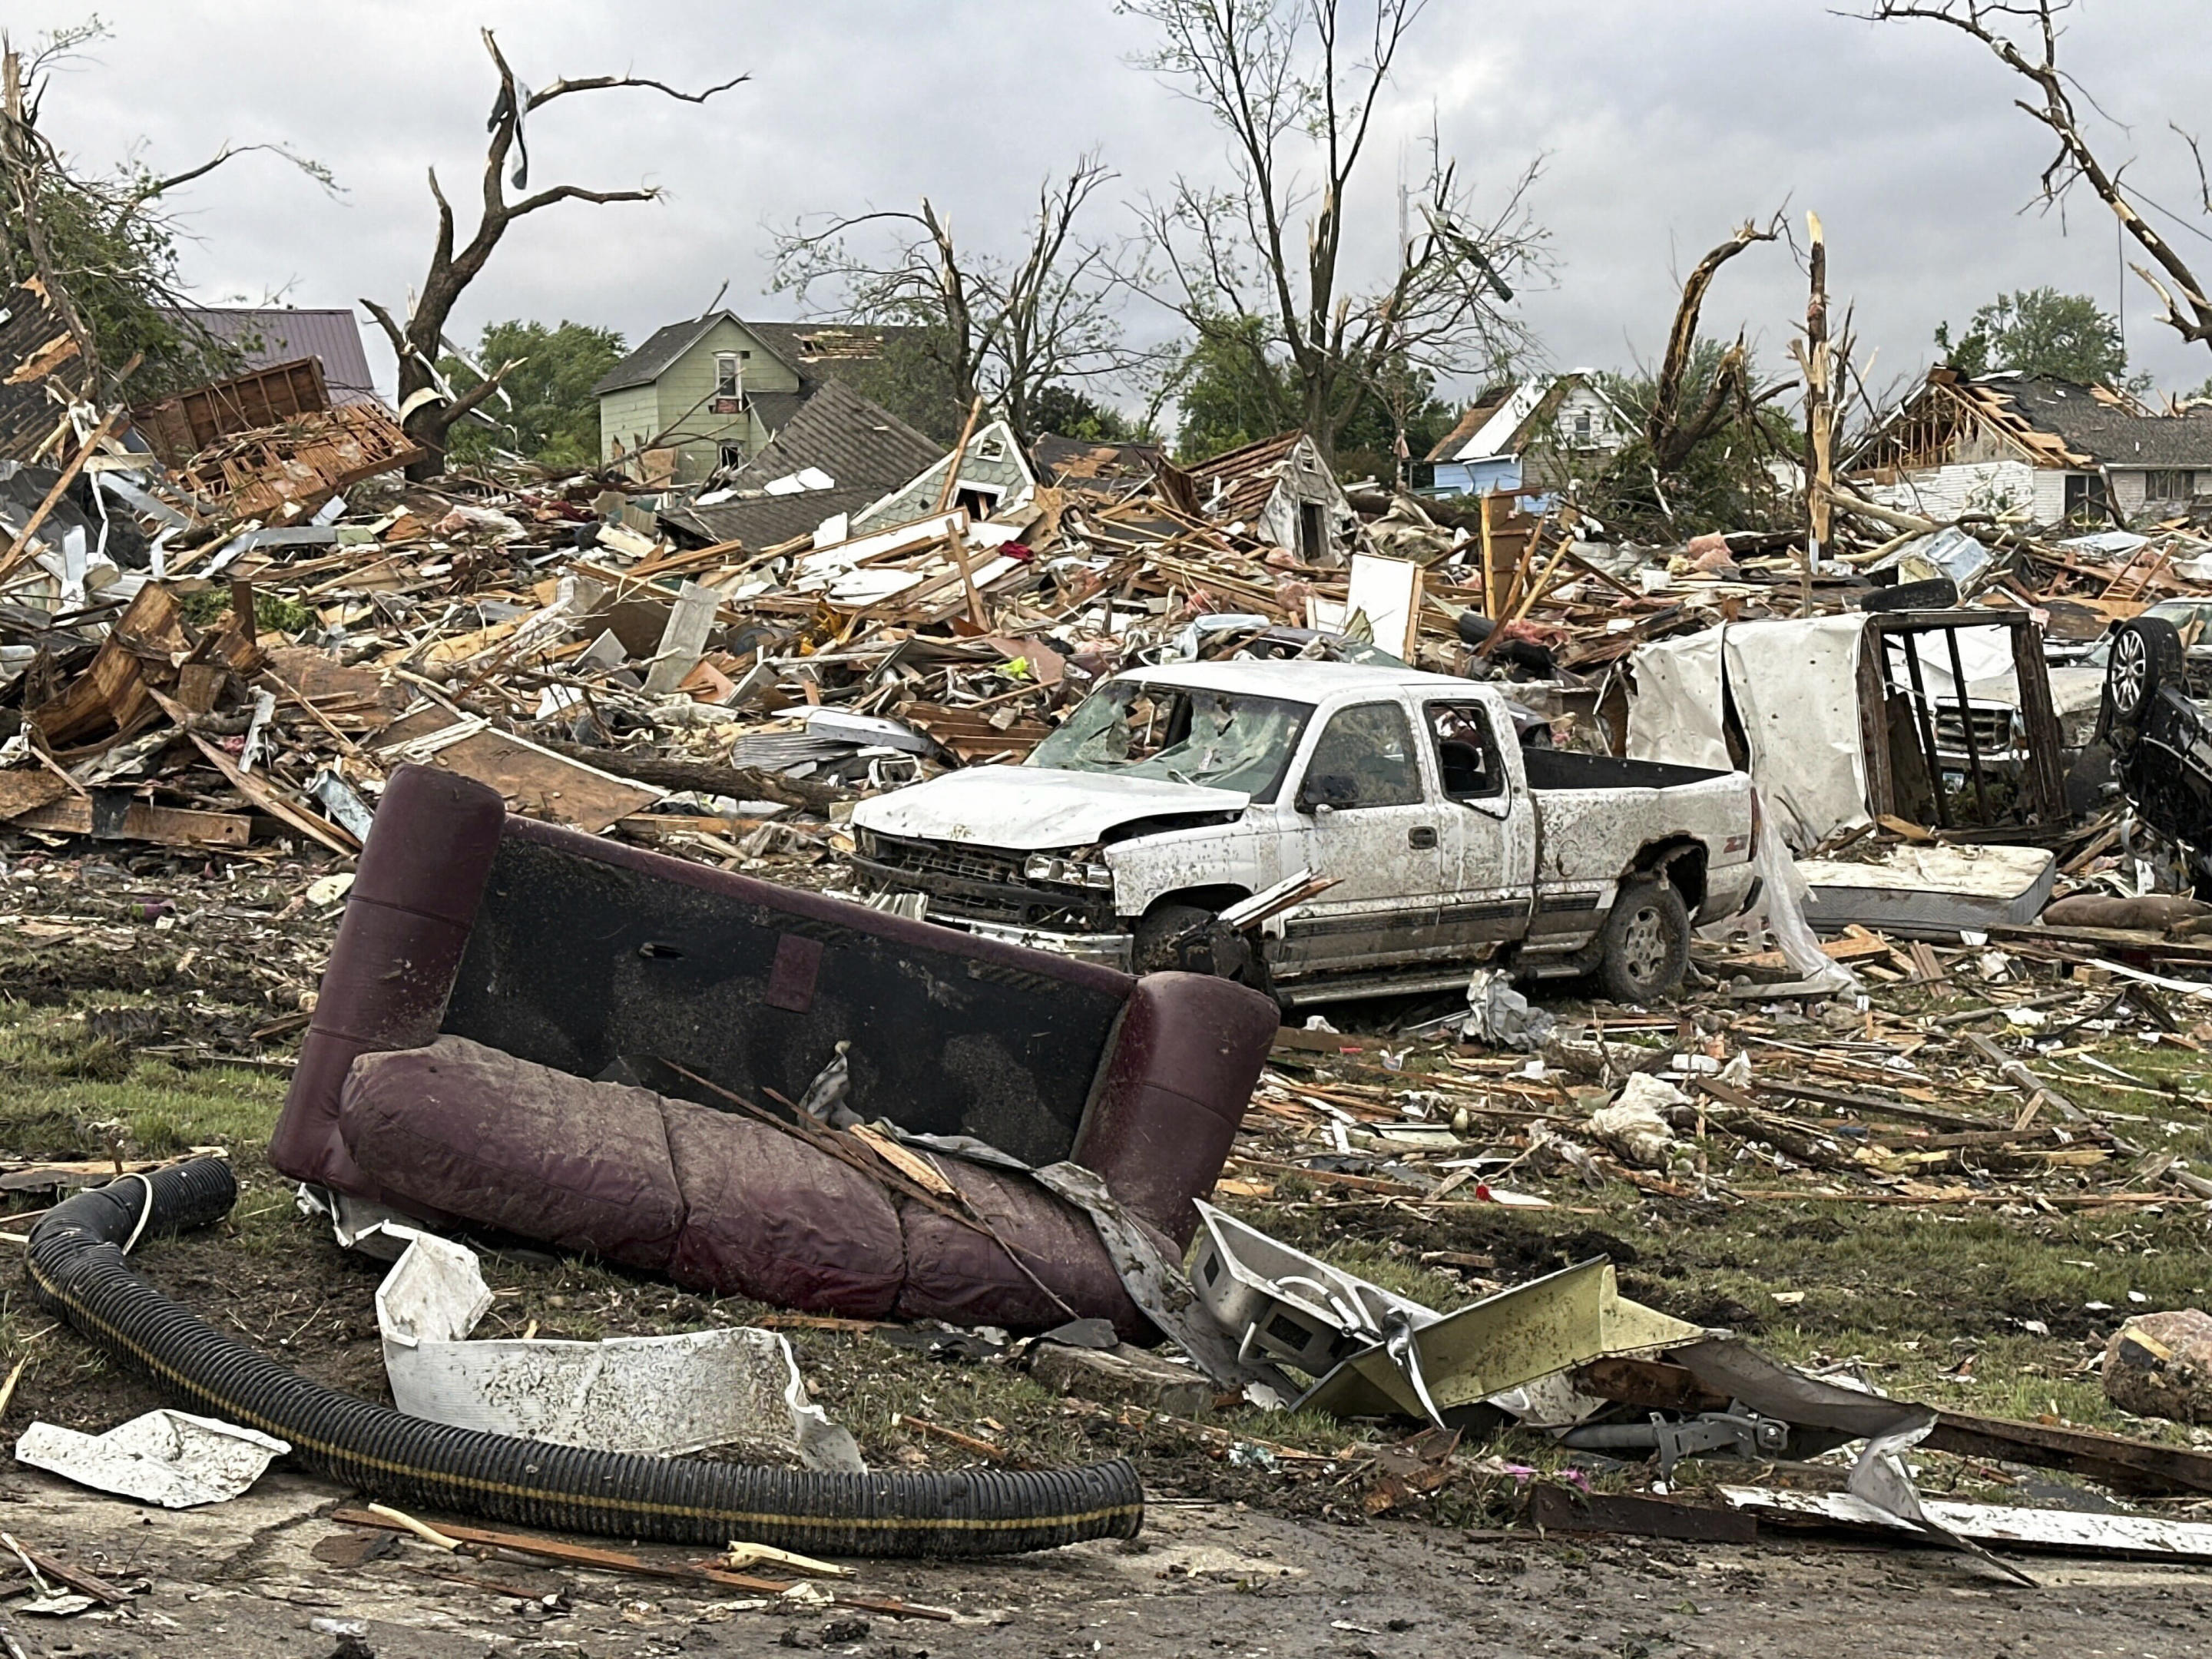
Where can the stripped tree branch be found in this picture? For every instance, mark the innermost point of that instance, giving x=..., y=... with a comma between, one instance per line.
x=453, y=266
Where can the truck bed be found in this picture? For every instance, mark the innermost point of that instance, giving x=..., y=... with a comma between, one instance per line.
x=1562, y=768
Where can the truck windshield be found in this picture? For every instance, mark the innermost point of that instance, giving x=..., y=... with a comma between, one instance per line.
x=1217, y=739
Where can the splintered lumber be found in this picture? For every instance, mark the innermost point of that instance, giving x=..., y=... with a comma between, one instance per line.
x=606, y=1561
x=165, y=826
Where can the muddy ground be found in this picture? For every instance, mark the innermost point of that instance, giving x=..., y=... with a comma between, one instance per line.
x=151, y=1006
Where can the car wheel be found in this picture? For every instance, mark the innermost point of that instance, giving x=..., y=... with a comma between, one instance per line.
x=1645, y=942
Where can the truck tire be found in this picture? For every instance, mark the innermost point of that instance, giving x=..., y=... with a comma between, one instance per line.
x=1645, y=946
x=2146, y=654
x=1189, y=939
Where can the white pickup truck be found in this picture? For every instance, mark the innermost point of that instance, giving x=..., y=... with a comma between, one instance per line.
x=1170, y=794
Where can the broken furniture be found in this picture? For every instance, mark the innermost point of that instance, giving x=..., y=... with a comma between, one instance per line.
x=583, y=959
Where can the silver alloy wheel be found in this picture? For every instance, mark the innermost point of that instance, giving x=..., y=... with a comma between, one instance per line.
x=2130, y=668
x=1644, y=945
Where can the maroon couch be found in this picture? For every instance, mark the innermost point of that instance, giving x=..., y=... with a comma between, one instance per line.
x=598, y=961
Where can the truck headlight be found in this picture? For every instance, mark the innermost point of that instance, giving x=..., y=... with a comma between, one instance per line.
x=864, y=843
x=1067, y=873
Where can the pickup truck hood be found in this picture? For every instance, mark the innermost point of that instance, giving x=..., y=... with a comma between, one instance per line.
x=1031, y=809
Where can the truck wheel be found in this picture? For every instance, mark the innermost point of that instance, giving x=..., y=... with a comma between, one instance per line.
x=1188, y=938
x=1646, y=941
x=2146, y=654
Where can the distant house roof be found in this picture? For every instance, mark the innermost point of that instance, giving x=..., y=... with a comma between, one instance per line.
x=839, y=432
x=2048, y=422
x=280, y=334
x=812, y=351
x=1507, y=417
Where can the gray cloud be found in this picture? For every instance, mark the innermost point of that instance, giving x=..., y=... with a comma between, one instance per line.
x=1662, y=126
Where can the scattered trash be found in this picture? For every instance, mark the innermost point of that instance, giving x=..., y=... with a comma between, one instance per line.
x=167, y=1457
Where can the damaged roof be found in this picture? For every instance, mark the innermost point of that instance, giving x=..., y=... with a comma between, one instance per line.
x=283, y=334
x=1238, y=485
x=812, y=351
x=865, y=447
x=2113, y=430
x=844, y=435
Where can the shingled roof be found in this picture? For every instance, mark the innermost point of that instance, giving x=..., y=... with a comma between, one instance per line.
x=843, y=433
x=813, y=351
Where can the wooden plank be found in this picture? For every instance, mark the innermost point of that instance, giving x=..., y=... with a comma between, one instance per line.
x=27, y=791
x=165, y=826
x=1558, y=1509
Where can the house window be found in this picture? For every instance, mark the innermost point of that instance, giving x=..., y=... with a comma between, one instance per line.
x=733, y=455
x=2165, y=484
x=729, y=382
x=2085, y=495
x=1582, y=425
x=993, y=448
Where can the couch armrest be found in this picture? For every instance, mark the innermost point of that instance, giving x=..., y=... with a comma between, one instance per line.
x=1171, y=1091
x=397, y=953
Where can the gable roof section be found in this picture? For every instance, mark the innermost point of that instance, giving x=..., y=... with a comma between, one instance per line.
x=284, y=334
x=653, y=359
x=812, y=351
x=854, y=441
x=1505, y=419
x=1238, y=485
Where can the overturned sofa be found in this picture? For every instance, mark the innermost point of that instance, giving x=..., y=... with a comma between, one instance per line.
x=515, y=1019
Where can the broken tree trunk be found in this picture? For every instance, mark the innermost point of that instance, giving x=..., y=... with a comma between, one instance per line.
x=1671, y=432
x=1820, y=417
x=742, y=782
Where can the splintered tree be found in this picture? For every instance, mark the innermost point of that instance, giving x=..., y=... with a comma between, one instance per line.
x=1296, y=84
x=2024, y=35
x=1005, y=329
x=1672, y=427
x=103, y=245
x=428, y=403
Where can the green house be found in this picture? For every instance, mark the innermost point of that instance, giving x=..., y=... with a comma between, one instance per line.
x=715, y=388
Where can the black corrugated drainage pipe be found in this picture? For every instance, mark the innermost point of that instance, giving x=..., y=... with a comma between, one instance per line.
x=78, y=1270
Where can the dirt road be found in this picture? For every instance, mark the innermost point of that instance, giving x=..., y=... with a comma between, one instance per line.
x=243, y=1581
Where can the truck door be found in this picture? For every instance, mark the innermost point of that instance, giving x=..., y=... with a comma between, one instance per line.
x=1367, y=817
x=1489, y=860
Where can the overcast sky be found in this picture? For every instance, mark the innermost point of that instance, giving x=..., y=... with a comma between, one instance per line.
x=1660, y=126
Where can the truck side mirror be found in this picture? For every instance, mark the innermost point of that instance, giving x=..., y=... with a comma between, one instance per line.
x=1327, y=792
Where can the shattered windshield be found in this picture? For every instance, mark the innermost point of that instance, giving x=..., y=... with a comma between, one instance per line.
x=1217, y=739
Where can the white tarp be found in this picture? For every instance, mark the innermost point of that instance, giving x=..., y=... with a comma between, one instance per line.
x=732, y=1386
x=1796, y=689
x=1675, y=715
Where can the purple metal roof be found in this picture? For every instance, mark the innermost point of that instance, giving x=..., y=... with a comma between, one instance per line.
x=286, y=333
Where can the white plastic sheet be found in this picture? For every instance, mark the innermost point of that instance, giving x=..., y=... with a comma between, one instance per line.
x=1796, y=689
x=166, y=1457
x=658, y=1394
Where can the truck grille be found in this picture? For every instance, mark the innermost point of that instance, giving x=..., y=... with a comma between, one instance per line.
x=1993, y=732
x=982, y=883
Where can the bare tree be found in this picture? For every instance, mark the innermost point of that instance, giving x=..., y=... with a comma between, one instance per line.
x=1298, y=99
x=428, y=407
x=999, y=329
x=2024, y=35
